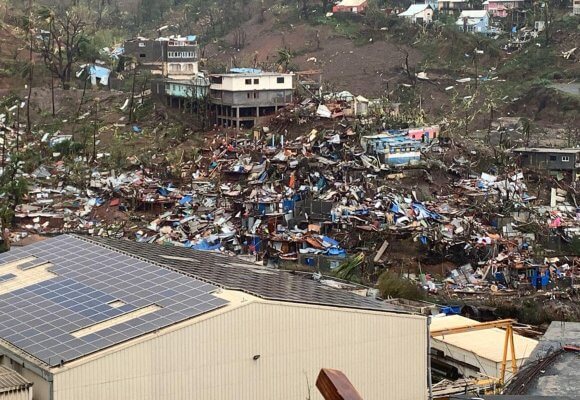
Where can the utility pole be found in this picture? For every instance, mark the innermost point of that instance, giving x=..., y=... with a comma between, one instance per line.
x=52, y=92
x=95, y=130
x=30, y=68
x=17, y=125
x=4, y=130
x=132, y=94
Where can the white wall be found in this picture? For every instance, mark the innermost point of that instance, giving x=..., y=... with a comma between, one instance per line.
x=265, y=82
x=384, y=356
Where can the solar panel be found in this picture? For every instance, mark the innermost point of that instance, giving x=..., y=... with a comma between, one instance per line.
x=88, y=278
x=6, y=277
x=31, y=264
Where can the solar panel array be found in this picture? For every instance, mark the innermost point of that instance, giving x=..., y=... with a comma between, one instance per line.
x=40, y=318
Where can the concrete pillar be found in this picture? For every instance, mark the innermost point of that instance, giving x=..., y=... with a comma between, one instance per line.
x=238, y=118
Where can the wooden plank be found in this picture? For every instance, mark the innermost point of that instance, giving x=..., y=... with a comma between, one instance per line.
x=381, y=252
x=334, y=385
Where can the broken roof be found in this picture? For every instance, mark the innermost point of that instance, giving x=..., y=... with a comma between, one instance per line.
x=483, y=343
x=235, y=274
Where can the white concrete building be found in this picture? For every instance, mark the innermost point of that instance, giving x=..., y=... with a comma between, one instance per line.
x=242, y=98
x=118, y=320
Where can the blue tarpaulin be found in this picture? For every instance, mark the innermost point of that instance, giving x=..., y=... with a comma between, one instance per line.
x=185, y=199
x=395, y=208
x=423, y=213
x=245, y=71
x=205, y=246
x=451, y=310
x=288, y=205
x=331, y=241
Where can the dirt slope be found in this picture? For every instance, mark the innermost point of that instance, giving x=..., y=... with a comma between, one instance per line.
x=363, y=69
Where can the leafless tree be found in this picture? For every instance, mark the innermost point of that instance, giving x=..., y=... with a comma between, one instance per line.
x=239, y=38
x=60, y=46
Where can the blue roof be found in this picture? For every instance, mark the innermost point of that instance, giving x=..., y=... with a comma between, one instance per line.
x=245, y=71
x=40, y=318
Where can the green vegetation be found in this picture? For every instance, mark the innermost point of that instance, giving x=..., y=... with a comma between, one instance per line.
x=350, y=268
x=391, y=284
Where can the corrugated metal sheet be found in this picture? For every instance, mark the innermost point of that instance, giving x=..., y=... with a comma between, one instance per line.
x=23, y=394
x=383, y=355
x=11, y=381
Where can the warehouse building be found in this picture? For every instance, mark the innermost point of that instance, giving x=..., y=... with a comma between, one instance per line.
x=107, y=319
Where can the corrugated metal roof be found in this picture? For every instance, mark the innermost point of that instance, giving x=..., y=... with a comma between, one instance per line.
x=235, y=274
x=11, y=380
x=486, y=343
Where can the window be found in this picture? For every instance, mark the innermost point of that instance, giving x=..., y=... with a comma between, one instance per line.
x=249, y=95
x=256, y=95
x=142, y=55
x=553, y=158
x=565, y=158
x=141, y=44
x=256, y=81
x=248, y=81
x=280, y=80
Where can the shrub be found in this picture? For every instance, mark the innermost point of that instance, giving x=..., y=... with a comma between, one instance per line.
x=392, y=284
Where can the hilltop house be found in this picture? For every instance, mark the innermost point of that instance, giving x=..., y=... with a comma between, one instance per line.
x=500, y=8
x=418, y=13
x=172, y=57
x=576, y=7
x=352, y=6
x=473, y=21
x=450, y=6
x=550, y=159
x=244, y=95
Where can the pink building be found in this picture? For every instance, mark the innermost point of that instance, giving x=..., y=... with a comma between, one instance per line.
x=353, y=6
x=500, y=8
x=425, y=133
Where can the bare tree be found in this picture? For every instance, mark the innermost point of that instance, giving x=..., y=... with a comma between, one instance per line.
x=61, y=45
x=239, y=38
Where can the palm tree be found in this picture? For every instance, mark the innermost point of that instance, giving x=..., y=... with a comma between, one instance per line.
x=284, y=58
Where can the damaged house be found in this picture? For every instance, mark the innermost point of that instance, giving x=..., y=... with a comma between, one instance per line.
x=553, y=160
x=392, y=150
x=171, y=57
